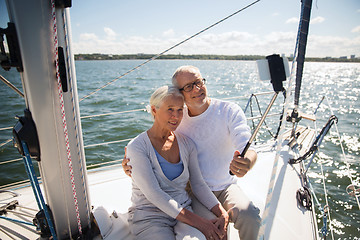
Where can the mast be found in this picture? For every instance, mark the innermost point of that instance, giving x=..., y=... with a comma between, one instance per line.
x=303, y=34
x=50, y=90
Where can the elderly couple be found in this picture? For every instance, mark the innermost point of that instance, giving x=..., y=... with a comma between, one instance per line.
x=198, y=143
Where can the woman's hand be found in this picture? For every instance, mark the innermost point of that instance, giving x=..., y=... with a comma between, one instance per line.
x=126, y=167
x=222, y=220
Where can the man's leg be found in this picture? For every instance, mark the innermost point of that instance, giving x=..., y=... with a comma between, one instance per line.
x=243, y=213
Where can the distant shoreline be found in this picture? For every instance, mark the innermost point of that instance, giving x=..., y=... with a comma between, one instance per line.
x=99, y=56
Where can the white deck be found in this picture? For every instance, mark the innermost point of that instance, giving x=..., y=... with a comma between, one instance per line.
x=111, y=188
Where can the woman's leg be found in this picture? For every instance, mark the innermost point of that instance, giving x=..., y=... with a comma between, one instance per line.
x=150, y=225
x=155, y=231
x=184, y=231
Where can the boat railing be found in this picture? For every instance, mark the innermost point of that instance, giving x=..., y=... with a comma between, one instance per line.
x=97, y=165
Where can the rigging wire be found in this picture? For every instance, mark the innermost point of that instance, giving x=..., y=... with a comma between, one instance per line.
x=9, y=84
x=322, y=210
x=327, y=201
x=325, y=211
x=129, y=111
x=10, y=161
x=6, y=128
x=167, y=50
x=113, y=113
x=261, y=114
x=6, y=142
x=343, y=153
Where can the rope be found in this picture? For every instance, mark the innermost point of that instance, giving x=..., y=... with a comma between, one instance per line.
x=36, y=189
x=167, y=50
x=79, y=143
x=17, y=221
x=65, y=196
x=62, y=109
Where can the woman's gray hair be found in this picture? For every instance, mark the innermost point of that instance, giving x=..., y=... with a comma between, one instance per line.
x=157, y=98
x=188, y=68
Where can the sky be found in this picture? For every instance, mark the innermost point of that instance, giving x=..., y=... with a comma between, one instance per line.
x=267, y=27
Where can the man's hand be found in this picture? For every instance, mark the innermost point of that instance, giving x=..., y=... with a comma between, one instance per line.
x=126, y=167
x=221, y=223
x=241, y=165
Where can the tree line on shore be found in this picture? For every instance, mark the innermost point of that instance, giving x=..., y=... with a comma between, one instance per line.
x=99, y=56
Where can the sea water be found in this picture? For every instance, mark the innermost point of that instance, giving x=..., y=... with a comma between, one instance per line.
x=336, y=84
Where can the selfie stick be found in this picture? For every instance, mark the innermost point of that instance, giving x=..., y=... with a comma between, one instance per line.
x=275, y=66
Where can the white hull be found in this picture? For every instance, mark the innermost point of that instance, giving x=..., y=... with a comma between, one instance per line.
x=111, y=189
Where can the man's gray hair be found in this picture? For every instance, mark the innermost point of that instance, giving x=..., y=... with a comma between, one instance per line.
x=187, y=68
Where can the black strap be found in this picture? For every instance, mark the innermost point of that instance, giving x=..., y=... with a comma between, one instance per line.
x=315, y=145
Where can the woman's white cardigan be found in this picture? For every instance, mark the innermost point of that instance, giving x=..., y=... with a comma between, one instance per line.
x=152, y=190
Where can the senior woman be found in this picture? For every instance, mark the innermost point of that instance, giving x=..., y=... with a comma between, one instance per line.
x=163, y=162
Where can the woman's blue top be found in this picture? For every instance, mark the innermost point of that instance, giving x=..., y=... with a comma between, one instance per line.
x=171, y=170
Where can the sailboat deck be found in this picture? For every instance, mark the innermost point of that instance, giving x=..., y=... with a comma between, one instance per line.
x=110, y=188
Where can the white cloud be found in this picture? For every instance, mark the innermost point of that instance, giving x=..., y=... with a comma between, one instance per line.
x=110, y=34
x=91, y=43
x=88, y=37
x=313, y=21
x=292, y=20
x=317, y=20
x=321, y=46
x=227, y=43
x=168, y=33
x=356, y=29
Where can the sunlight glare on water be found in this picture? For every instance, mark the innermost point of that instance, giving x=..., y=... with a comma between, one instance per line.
x=339, y=82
